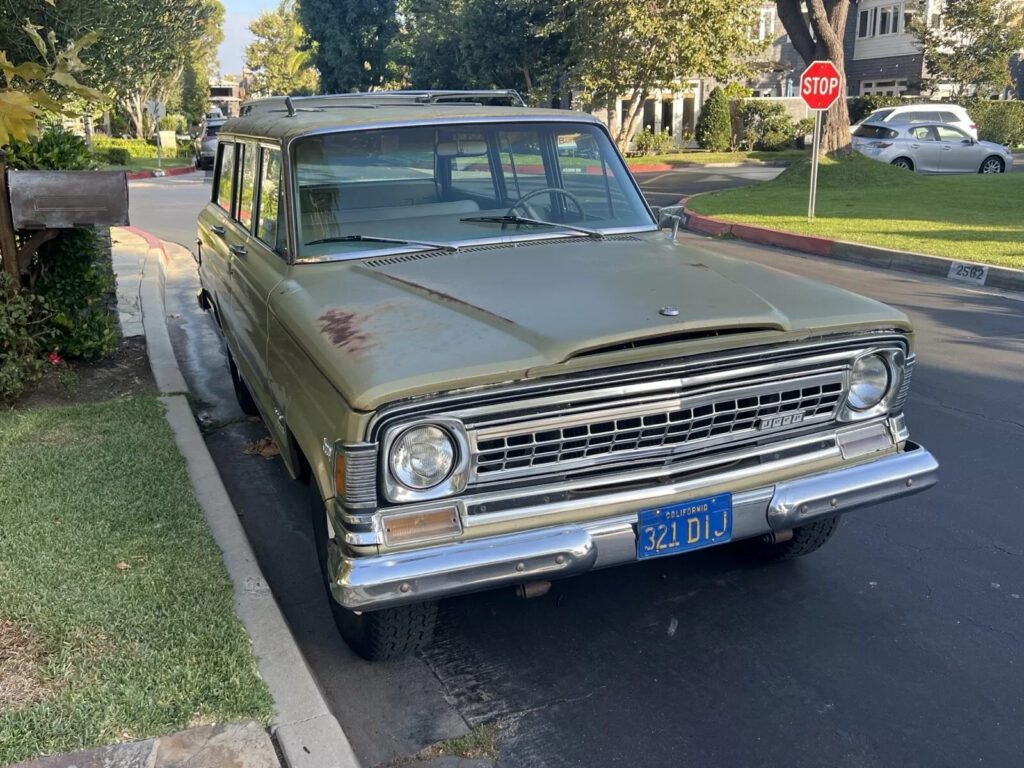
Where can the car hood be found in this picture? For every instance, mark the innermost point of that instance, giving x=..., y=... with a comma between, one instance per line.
x=995, y=147
x=393, y=327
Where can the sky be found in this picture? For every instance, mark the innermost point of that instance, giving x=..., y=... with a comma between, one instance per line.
x=237, y=16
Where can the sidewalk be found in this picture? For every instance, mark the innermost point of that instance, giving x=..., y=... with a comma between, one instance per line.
x=306, y=734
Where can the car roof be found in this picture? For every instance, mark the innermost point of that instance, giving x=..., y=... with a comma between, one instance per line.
x=286, y=118
x=924, y=105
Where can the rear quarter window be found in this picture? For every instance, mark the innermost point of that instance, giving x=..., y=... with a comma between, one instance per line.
x=225, y=175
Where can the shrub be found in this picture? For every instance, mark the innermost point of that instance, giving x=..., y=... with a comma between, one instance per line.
x=75, y=282
x=21, y=362
x=714, y=127
x=177, y=123
x=55, y=150
x=999, y=121
x=135, y=147
x=115, y=155
x=649, y=143
x=766, y=125
x=736, y=90
x=862, y=106
x=804, y=127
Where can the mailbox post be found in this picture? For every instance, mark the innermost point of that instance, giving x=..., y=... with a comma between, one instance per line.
x=8, y=245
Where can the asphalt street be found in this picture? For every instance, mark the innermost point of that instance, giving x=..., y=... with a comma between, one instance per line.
x=897, y=644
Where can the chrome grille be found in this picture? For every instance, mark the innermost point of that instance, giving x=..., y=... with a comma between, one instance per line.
x=901, y=396
x=360, y=474
x=665, y=425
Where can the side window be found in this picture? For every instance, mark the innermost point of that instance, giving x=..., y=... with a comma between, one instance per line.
x=225, y=175
x=949, y=133
x=270, y=223
x=247, y=184
x=923, y=133
x=948, y=117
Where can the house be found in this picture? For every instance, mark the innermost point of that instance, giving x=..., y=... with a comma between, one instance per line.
x=883, y=56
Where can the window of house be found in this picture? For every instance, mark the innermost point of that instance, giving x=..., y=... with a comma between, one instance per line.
x=866, y=23
x=936, y=21
x=766, y=24
x=225, y=175
x=886, y=20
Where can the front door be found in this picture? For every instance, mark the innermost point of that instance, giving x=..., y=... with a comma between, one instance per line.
x=959, y=152
x=255, y=266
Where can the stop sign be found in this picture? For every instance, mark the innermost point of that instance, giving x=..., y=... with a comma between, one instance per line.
x=820, y=84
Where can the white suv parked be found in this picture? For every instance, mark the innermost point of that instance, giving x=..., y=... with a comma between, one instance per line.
x=951, y=114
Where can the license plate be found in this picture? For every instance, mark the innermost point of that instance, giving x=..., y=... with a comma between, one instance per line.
x=684, y=527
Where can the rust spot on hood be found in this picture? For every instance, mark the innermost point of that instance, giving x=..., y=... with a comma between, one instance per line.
x=344, y=329
x=445, y=297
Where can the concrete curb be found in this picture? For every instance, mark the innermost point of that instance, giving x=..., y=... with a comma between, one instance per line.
x=159, y=173
x=307, y=733
x=990, y=276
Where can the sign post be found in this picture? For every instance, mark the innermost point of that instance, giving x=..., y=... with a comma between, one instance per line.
x=820, y=86
x=156, y=109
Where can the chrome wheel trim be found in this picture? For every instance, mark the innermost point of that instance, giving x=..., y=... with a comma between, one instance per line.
x=992, y=165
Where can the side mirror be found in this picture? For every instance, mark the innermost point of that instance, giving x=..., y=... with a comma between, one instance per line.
x=669, y=216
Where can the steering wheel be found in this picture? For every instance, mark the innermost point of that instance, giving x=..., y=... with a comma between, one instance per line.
x=522, y=201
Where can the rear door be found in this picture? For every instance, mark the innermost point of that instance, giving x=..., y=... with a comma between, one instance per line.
x=214, y=222
x=925, y=149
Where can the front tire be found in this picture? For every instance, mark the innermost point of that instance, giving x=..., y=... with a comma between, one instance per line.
x=992, y=165
x=806, y=539
x=904, y=163
x=389, y=633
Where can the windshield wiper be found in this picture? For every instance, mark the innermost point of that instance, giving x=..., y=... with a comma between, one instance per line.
x=524, y=220
x=374, y=239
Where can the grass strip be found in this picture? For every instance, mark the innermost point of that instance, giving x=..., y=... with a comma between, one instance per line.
x=148, y=164
x=115, y=602
x=970, y=217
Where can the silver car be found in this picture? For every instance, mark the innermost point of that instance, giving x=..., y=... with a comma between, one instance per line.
x=930, y=148
x=208, y=142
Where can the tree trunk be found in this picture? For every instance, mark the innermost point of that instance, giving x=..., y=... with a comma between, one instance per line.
x=636, y=112
x=819, y=37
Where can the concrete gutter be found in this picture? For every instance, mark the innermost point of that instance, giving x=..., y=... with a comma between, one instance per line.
x=964, y=272
x=307, y=733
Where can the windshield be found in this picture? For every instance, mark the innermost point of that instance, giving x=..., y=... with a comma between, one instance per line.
x=458, y=184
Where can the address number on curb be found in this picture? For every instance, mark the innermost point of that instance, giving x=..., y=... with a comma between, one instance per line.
x=975, y=274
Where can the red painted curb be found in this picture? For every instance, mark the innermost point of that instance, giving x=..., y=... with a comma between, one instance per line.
x=154, y=242
x=652, y=167
x=819, y=246
x=133, y=175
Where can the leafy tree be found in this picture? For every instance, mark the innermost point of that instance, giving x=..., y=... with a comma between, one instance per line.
x=629, y=48
x=353, y=38
x=819, y=36
x=971, y=49
x=714, y=126
x=280, y=56
x=486, y=44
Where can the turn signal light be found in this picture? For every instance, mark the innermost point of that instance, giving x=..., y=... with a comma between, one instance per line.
x=339, y=473
x=408, y=527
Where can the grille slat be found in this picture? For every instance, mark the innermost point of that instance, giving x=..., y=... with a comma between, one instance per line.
x=545, y=444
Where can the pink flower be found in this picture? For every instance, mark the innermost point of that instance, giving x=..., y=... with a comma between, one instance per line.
x=54, y=358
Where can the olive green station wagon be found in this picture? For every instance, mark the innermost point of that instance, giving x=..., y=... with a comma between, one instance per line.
x=463, y=324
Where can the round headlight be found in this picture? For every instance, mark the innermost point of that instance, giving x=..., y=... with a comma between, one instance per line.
x=422, y=457
x=869, y=381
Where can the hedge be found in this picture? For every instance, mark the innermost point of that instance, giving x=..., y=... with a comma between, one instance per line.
x=999, y=121
x=139, y=147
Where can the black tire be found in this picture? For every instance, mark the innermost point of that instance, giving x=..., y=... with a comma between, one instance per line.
x=903, y=162
x=992, y=164
x=806, y=539
x=389, y=633
x=242, y=393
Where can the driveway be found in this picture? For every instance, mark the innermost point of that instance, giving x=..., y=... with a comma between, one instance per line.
x=897, y=644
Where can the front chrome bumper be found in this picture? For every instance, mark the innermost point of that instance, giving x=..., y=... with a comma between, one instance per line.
x=369, y=583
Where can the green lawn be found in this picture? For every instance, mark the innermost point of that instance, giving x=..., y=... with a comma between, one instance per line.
x=969, y=217
x=116, y=618
x=702, y=158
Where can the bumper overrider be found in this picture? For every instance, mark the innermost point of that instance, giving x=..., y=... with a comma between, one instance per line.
x=561, y=550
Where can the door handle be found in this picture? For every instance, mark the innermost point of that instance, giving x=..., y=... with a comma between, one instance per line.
x=217, y=230
x=946, y=149
x=915, y=146
x=239, y=250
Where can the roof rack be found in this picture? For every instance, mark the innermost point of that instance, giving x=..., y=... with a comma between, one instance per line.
x=371, y=99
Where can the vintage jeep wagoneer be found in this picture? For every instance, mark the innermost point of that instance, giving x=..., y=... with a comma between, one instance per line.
x=461, y=321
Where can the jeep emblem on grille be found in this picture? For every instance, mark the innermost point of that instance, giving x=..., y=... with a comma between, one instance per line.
x=774, y=422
